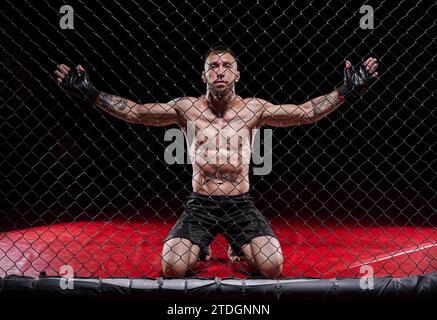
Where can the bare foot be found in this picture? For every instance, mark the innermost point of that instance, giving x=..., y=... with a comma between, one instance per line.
x=241, y=264
x=207, y=255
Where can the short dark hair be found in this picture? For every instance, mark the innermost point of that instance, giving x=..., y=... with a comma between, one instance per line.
x=218, y=50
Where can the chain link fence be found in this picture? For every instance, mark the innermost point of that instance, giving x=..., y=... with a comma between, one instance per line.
x=88, y=194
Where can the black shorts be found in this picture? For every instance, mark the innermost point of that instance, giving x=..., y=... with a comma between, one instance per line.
x=233, y=216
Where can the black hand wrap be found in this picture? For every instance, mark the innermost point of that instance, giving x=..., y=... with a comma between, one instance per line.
x=78, y=84
x=356, y=81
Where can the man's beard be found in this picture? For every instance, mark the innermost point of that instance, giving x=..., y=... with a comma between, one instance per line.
x=222, y=92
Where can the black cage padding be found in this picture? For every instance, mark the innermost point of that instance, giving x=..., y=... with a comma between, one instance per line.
x=421, y=286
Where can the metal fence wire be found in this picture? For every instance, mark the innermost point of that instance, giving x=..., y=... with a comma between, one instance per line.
x=88, y=193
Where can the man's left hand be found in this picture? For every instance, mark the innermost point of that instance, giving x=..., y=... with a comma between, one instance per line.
x=357, y=79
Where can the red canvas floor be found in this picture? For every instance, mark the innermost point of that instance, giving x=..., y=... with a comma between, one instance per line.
x=132, y=249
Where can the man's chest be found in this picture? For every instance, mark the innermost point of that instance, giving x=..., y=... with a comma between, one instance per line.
x=233, y=122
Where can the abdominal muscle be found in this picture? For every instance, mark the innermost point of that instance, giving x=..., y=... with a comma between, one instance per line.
x=220, y=167
x=225, y=179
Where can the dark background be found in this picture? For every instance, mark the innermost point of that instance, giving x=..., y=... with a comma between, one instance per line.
x=65, y=160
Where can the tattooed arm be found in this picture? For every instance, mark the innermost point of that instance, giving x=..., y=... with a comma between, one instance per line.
x=356, y=80
x=286, y=115
x=77, y=83
x=154, y=114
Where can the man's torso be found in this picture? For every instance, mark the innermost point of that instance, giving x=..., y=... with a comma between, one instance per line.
x=219, y=145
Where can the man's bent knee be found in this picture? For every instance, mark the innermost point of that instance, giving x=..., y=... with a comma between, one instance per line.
x=174, y=268
x=267, y=256
x=272, y=267
x=178, y=257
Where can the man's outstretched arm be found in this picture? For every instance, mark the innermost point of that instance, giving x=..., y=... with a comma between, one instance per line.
x=356, y=81
x=152, y=114
x=77, y=83
x=286, y=115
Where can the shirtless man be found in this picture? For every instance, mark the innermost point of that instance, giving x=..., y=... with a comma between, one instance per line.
x=220, y=202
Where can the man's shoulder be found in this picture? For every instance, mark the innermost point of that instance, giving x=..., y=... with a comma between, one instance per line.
x=254, y=101
x=184, y=100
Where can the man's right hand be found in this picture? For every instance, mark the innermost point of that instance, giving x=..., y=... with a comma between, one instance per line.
x=76, y=82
